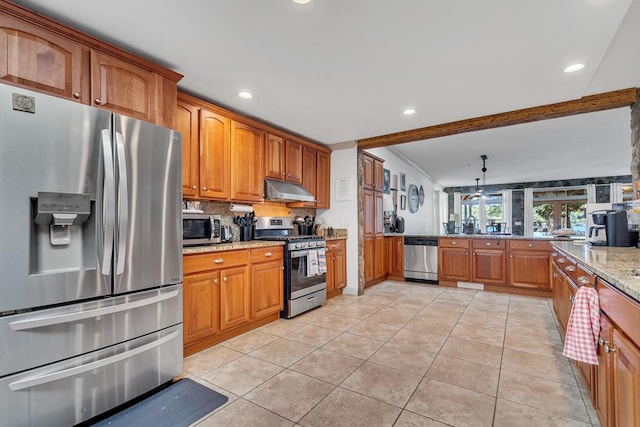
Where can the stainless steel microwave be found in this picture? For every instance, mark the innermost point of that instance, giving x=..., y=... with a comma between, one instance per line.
x=200, y=229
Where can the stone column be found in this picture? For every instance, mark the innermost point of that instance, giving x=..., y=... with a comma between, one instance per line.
x=635, y=145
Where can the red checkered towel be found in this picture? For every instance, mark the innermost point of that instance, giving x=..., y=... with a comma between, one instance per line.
x=581, y=341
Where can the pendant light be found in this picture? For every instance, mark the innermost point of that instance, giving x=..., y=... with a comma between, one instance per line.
x=478, y=192
x=484, y=169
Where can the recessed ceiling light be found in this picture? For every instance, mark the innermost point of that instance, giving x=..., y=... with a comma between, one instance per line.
x=245, y=95
x=409, y=111
x=301, y=1
x=573, y=68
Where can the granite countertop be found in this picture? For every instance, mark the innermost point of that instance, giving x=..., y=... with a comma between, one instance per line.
x=618, y=266
x=328, y=239
x=187, y=250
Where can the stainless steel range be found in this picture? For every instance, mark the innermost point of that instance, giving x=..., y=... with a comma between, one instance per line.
x=305, y=285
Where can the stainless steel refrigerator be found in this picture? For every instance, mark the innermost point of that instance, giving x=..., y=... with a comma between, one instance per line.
x=90, y=259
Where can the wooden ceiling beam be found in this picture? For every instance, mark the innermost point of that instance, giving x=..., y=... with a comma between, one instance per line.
x=587, y=104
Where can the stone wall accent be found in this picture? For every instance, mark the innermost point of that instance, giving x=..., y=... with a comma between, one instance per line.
x=635, y=141
x=360, y=225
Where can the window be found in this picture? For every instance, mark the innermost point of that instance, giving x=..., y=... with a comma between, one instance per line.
x=557, y=209
x=484, y=212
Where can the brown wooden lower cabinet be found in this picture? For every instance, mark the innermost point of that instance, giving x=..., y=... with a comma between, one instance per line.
x=613, y=384
x=369, y=258
x=336, y=267
x=230, y=292
x=395, y=256
x=379, y=265
x=454, y=264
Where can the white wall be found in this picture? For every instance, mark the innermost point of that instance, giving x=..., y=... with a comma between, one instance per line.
x=344, y=214
x=427, y=219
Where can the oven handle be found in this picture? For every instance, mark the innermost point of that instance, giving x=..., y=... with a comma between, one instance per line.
x=299, y=254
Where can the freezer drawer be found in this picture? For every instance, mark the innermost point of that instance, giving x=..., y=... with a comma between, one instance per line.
x=75, y=390
x=41, y=337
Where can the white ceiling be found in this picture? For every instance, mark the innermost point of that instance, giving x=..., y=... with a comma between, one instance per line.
x=342, y=70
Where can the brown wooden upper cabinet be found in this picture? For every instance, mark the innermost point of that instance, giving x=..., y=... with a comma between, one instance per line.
x=187, y=123
x=283, y=159
x=215, y=149
x=247, y=163
x=122, y=87
x=373, y=173
x=33, y=57
x=323, y=176
x=76, y=66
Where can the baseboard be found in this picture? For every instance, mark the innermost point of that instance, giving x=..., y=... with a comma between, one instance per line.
x=471, y=285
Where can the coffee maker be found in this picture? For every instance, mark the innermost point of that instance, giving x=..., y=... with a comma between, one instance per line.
x=596, y=223
x=617, y=229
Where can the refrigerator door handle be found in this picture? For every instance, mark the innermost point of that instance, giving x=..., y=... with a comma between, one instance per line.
x=108, y=202
x=21, y=325
x=123, y=204
x=65, y=373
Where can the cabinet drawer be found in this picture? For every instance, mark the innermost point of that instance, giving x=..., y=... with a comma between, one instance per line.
x=211, y=261
x=272, y=253
x=489, y=243
x=453, y=243
x=535, y=245
x=335, y=245
x=622, y=310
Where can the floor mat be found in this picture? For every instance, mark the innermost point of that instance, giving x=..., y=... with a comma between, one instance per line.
x=180, y=404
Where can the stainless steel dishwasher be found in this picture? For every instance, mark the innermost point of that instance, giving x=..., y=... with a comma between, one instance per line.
x=421, y=259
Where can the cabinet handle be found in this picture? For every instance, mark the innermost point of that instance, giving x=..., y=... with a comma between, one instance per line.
x=215, y=281
x=224, y=279
x=608, y=349
x=194, y=186
x=466, y=253
x=584, y=280
x=98, y=101
x=288, y=174
x=530, y=245
x=76, y=95
x=454, y=243
x=218, y=260
x=204, y=188
x=487, y=244
x=510, y=256
x=601, y=341
x=571, y=268
x=554, y=255
x=267, y=254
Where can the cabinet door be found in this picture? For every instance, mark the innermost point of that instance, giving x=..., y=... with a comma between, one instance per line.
x=331, y=286
x=369, y=258
x=323, y=176
x=368, y=180
x=396, y=257
x=274, y=157
x=626, y=380
x=380, y=258
x=187, y=124
x=368, y=207
x=310, y=171
x=379, y=218
x=214, y=155
x=602, y=393
x=556, y=284
x=247, y=163
x=122, y=87
x=378, y=176
x=201, y=306
x=489, y=266
x=529, y=269
x=234, y=297
x=38, y=59
x=293, y=163
x=340, y=268
x=267, y=294
x=454, y=264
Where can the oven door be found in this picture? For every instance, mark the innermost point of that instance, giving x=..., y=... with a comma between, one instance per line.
x=302, y=283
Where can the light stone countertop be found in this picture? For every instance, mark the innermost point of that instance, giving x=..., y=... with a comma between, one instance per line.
x=502, y=236
x=187, y=250
x=618, y=266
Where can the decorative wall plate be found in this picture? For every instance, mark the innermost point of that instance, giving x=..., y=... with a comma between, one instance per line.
x=421, y=194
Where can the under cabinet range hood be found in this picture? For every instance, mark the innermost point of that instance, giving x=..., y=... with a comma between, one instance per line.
x=280, y=191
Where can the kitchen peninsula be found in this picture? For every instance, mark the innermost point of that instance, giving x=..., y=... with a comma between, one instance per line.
x=613, y=384
x=500, y=263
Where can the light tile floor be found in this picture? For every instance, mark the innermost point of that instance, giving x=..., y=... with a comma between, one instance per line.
x=403, y=354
